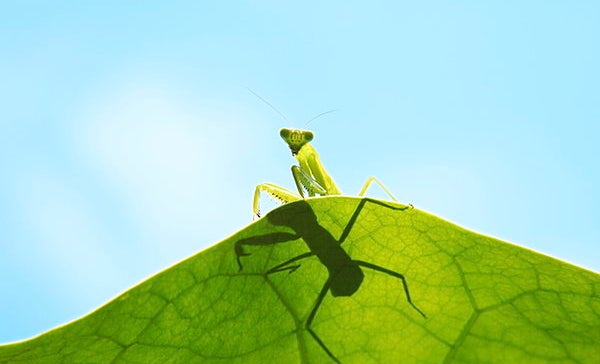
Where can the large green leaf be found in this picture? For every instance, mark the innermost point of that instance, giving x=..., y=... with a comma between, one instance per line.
x=485, y=300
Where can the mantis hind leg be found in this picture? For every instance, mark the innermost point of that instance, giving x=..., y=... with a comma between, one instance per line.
x=279, y=193
x=367, y=184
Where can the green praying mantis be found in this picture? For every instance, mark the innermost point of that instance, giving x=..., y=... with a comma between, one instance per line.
x=310, y=175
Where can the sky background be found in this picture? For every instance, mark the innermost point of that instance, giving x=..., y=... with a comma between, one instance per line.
x=128, y=139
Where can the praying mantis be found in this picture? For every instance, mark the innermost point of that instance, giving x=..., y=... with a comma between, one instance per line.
x=310, y=176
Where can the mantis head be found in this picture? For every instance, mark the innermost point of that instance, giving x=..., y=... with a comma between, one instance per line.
x=296, y=138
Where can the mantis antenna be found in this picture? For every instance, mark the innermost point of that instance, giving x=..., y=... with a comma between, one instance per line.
x=321, y=114
x=268, y=103
x=282, y=114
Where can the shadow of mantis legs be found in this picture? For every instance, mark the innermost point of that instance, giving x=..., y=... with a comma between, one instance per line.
x=311, y=317
x=393, y=274
x=261, y=240
x=282, y=266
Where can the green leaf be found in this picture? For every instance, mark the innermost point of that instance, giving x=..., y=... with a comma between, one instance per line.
x=485, y=300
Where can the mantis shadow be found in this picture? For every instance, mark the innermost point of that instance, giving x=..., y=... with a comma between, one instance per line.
x=345, y=275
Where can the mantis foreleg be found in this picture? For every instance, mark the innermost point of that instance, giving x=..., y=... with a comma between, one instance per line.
x=305, y=181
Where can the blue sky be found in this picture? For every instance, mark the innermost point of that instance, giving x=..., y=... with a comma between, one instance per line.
x=128, y=141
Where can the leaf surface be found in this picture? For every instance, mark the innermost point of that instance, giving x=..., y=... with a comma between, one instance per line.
x=485, y=300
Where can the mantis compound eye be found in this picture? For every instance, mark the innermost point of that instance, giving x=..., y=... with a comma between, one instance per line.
x=308, y=135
